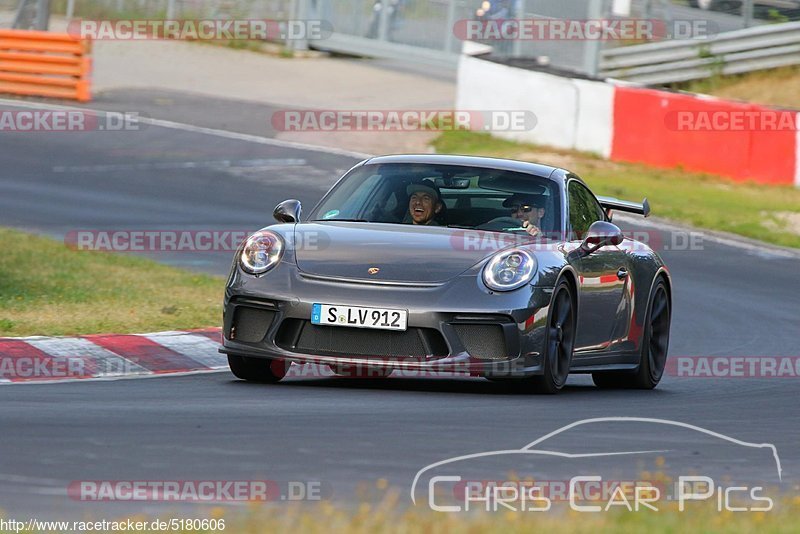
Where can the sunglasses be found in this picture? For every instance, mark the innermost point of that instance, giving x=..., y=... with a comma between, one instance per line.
x=524, y=208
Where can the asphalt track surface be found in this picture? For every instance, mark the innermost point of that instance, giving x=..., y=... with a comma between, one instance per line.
x=730, y=300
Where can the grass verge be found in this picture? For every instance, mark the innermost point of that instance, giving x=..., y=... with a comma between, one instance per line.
x=47, y=288
x=776, y=87
x=770, y=214
x=385, y=516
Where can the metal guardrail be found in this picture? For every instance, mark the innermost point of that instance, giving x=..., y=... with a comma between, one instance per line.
x=736, y=52
x=359, y=46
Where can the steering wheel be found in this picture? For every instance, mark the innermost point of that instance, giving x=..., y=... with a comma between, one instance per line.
x=501, y=223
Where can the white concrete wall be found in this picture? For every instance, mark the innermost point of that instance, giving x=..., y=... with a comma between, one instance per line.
x=595, y=128
x=570, y=113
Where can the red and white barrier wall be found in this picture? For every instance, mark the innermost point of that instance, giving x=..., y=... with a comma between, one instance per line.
x=629, y=123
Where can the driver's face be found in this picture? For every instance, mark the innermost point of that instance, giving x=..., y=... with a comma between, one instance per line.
x=423, y=207
x=528, y=213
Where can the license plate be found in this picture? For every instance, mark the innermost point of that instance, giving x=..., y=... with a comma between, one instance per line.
x=359, y=317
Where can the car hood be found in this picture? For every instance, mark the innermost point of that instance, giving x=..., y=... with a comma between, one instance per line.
x=402, y=253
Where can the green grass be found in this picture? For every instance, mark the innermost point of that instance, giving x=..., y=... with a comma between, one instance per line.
x=49, y=289
x=269, y=48
x=383, y=516
x=775, y=87
x=93, y=10
x=701, y=200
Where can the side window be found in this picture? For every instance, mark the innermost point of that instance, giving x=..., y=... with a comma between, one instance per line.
x=596, y=207
x=583, y=210
x=355, y=199
x=392, y=203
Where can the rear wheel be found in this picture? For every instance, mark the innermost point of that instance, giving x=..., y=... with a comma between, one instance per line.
x=257, y=369
x=559, y=342
x=655, y=345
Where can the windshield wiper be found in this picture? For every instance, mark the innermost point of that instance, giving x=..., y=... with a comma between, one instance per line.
x=461, y=226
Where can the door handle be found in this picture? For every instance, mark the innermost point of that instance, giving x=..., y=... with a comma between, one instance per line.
x=622, y=274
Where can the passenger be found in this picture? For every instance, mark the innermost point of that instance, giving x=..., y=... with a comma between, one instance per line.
x=424, y=203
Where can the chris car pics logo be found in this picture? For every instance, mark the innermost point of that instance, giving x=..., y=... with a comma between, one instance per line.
x=451, y=489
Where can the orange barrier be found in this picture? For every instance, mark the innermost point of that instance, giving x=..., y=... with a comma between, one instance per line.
x=35, y=63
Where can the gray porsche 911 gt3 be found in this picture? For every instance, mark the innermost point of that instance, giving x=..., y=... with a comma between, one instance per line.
x=503, y=269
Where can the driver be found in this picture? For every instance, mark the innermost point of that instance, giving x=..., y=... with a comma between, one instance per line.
x=424, y=202
x=528, y=209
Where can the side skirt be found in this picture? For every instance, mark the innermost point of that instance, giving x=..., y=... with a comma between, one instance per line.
x=615, y=361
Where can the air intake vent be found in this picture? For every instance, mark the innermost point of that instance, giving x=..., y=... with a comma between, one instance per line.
x=314, y=339
x=251, y=324
x=483, y=341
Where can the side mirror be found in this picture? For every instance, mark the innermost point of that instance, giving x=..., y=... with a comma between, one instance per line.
x=601, y=234
x=288, y=211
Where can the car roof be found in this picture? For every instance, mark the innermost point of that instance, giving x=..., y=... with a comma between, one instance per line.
x=537, y=169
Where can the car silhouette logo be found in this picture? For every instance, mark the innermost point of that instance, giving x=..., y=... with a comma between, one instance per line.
x=534, y=448
x=374, y=270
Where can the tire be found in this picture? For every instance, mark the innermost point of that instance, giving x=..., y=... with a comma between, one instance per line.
x=655, y=346
x=559, y=342
x=257, y=369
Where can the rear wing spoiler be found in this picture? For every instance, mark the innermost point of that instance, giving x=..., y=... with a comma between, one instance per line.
x=610, y=203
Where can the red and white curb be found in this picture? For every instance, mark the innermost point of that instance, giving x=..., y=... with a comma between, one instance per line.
x=47, y=359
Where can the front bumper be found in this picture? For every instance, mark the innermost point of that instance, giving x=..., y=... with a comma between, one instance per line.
x=459, y=326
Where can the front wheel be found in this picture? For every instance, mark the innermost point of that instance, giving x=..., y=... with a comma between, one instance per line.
x=559, y=342
x=257, y=369
x=655, y=345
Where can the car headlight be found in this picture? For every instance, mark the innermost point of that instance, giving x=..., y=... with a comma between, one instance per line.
x=509, y=270
x=261, y=252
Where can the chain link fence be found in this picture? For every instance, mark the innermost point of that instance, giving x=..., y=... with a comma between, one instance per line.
x=7, y=13
x=183, y=9
x=738, y=14
x=374, y=27
x=421, y=23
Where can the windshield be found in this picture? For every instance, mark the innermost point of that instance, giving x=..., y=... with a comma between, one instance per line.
x=444, y=195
